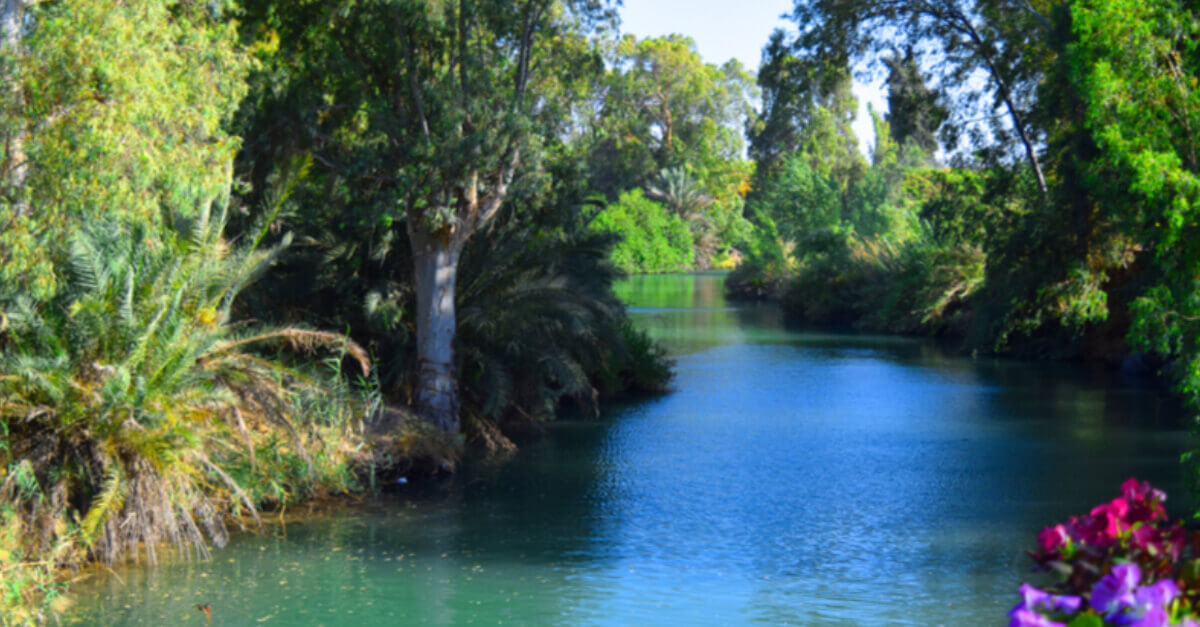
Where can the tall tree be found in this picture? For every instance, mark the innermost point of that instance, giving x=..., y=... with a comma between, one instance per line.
x=122, y=116
x=1006, y=41
x=15, y=162
x=914, y=110
x=786, y=84
x=663, y=106
x=419, y=113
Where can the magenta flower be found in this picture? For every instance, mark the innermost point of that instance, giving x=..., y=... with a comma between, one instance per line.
x=1052, y=539
x=1145, y=502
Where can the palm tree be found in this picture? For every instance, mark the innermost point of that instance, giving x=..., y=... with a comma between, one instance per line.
x=539, y=323
x=680, y=193
x=132, y=402
x=683, y=195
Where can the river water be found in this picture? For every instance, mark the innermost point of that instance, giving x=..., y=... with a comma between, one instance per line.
x=791, y=478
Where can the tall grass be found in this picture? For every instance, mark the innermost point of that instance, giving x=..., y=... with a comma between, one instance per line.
x=914, y=286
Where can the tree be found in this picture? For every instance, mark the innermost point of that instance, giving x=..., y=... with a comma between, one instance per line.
x=419, y=115
x=664, y=107
x=122, y=115
x=653, y=239
x=681, y=193
x=914, y=110
x=1133, y=66
x=12, y=27
x=789, y=87
x=1006, y=41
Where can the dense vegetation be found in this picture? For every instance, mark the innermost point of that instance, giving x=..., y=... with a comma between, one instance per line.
x=1031, y=189
x=250, y=248
x=227, y=233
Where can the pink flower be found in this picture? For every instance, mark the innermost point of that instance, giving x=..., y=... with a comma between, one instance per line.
x=1053, y=538
x=1145, y=501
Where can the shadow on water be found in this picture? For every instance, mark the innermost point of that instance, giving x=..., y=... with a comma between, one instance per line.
x=792, y=477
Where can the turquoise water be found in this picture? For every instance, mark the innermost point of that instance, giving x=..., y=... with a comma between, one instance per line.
x=791, y=478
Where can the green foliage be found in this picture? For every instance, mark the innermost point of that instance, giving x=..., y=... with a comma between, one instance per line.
x=652, y=238
x=913, y=287
x=801, y=201
x=124, y=112
x=1135, y=68
x=915, y=112
x=889, y=246
x=539, y=322
x=133, y=412
x=663, y=107
x=953, y=205
x=764, y=267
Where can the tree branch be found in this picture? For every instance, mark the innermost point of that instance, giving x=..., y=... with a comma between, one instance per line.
x=411, y=71
x=492, y=202
x=1032, y=11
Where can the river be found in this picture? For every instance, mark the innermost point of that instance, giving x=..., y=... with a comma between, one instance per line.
x=791, y=478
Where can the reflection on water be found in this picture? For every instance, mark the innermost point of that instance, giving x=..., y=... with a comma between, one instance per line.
x=792, y=477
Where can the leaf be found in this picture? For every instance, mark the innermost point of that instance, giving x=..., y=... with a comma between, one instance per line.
x=1086, y=620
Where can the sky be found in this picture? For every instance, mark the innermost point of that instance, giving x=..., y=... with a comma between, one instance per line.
x=725, y=29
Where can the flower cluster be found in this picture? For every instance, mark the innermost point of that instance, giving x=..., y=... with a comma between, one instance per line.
x=1121, y=564
x=1106, y=524
x=1121, y=601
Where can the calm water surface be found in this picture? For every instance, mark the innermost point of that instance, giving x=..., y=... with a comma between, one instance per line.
x=791, y=478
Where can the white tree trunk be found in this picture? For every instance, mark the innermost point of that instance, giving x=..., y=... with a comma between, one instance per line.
x=12, y=24
x=436, y=265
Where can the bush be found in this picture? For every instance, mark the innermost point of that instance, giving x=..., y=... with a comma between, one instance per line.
x=653, y=239
x=764, y=268
x=914, y=287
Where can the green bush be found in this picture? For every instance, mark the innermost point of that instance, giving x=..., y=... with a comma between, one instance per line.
x=652, y=239
x=915, y=287
x=764, y=267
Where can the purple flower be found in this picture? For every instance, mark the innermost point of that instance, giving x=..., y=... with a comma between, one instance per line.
x=1027, y=618
x=1114, y=591
x=1158, y=595
x=1149, y=606
x=1155, y=617
x=1039, y=601
x=1034, y=602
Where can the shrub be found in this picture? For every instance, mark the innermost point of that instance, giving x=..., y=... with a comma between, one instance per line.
x=653, y=239
x=873, y=283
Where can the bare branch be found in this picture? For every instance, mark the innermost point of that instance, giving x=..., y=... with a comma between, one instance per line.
x=491, y=203
x=1032, y=11
x=413, y=87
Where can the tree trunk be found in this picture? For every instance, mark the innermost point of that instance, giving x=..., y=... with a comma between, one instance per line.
x=435, y=260
x=12, y=23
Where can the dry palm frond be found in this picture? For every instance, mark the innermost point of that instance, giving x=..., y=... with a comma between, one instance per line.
x=302, y=340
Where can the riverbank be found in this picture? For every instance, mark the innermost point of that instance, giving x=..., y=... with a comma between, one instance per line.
x=792, y=477
x=872, y=293
x=385, y=453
